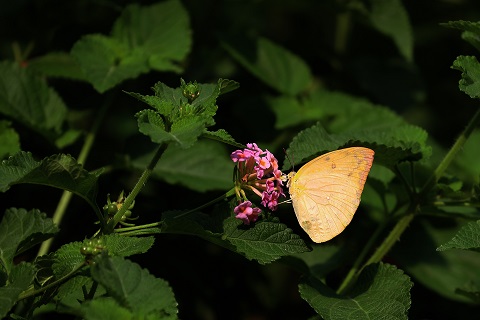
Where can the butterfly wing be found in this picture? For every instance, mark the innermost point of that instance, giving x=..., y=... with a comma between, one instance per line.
x=326, y=191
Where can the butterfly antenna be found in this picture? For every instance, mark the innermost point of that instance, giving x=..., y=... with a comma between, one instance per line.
x=289, y=159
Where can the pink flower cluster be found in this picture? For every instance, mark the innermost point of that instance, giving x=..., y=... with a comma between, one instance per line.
x=257, y=171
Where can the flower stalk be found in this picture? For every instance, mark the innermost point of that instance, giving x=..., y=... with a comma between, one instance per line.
x=138, y=186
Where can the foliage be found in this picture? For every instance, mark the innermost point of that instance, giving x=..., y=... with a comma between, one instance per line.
x=80, y=125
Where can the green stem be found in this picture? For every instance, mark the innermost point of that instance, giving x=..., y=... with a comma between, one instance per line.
x=136, y=233
x=82, y=157
x=143, y=226
x=410, y=191
x=132, y=230
x=378, y=255
x=229, y=193
x=342, y=29
x=31, y=293
x=474, y=122
x=391, y=239
x=353, y=273
x=92, y=291
x=140, y=183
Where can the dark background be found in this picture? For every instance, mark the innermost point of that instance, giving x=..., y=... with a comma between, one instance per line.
x=210, y=282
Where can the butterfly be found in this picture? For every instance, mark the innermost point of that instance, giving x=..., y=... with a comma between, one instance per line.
x=326, y=191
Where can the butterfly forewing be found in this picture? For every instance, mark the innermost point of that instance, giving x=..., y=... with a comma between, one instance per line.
x=326, y=191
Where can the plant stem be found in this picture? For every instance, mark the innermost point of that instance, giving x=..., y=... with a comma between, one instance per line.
x=229, y=193
x=138, y=186
x=342, y=29
x=82, y=157
x=474, y=122
x=391, y=239
x=132, y=230
x=143, y=226
x=378, y=255
x=353, y=273
x=142, y=232
x=30, y=293
x=92, y=291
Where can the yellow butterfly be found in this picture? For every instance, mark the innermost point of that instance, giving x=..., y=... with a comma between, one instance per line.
x=326, y=191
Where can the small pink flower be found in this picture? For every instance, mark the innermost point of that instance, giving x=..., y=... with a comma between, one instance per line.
x=241, y=155
x=270, y=185
x=246, y=213
x=264, y=161
x=270, y=200
x=254, y=147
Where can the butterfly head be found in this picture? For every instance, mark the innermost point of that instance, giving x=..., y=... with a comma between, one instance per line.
x=288, y=178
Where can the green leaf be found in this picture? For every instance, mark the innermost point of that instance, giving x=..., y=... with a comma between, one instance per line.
x=463, y=25
x=390, y=18
x=67, y=258
x=381, y=292
x=154, y=37
x=106, y=62
x=183, y=133
x=265, y=241
x=71, y=290
x=68, y=138
x=347, y=113
x=9, y=139
x=470, y=68
x=466, y=165
x=290, y=111
x=467, y=238
x=70, y=294
x=173, y=96
x=161, y=31
x=105, y=309
x=186, y=131
x=126, y=246
x=151, y=124
x=391, y=146
x=342, y=112
x=20, y=278
x=227, y=85
x=21, y=230
x=27, y=99
x=471, y=31
x=57, y=64
x=58, y=171
x=472, y=292
x=222, y=136
x=134, y=288
x=275, y=66
x=203, y=167
x=441, y=271
x=163, y=107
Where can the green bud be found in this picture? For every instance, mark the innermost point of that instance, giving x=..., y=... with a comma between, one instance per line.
x=191, y=91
